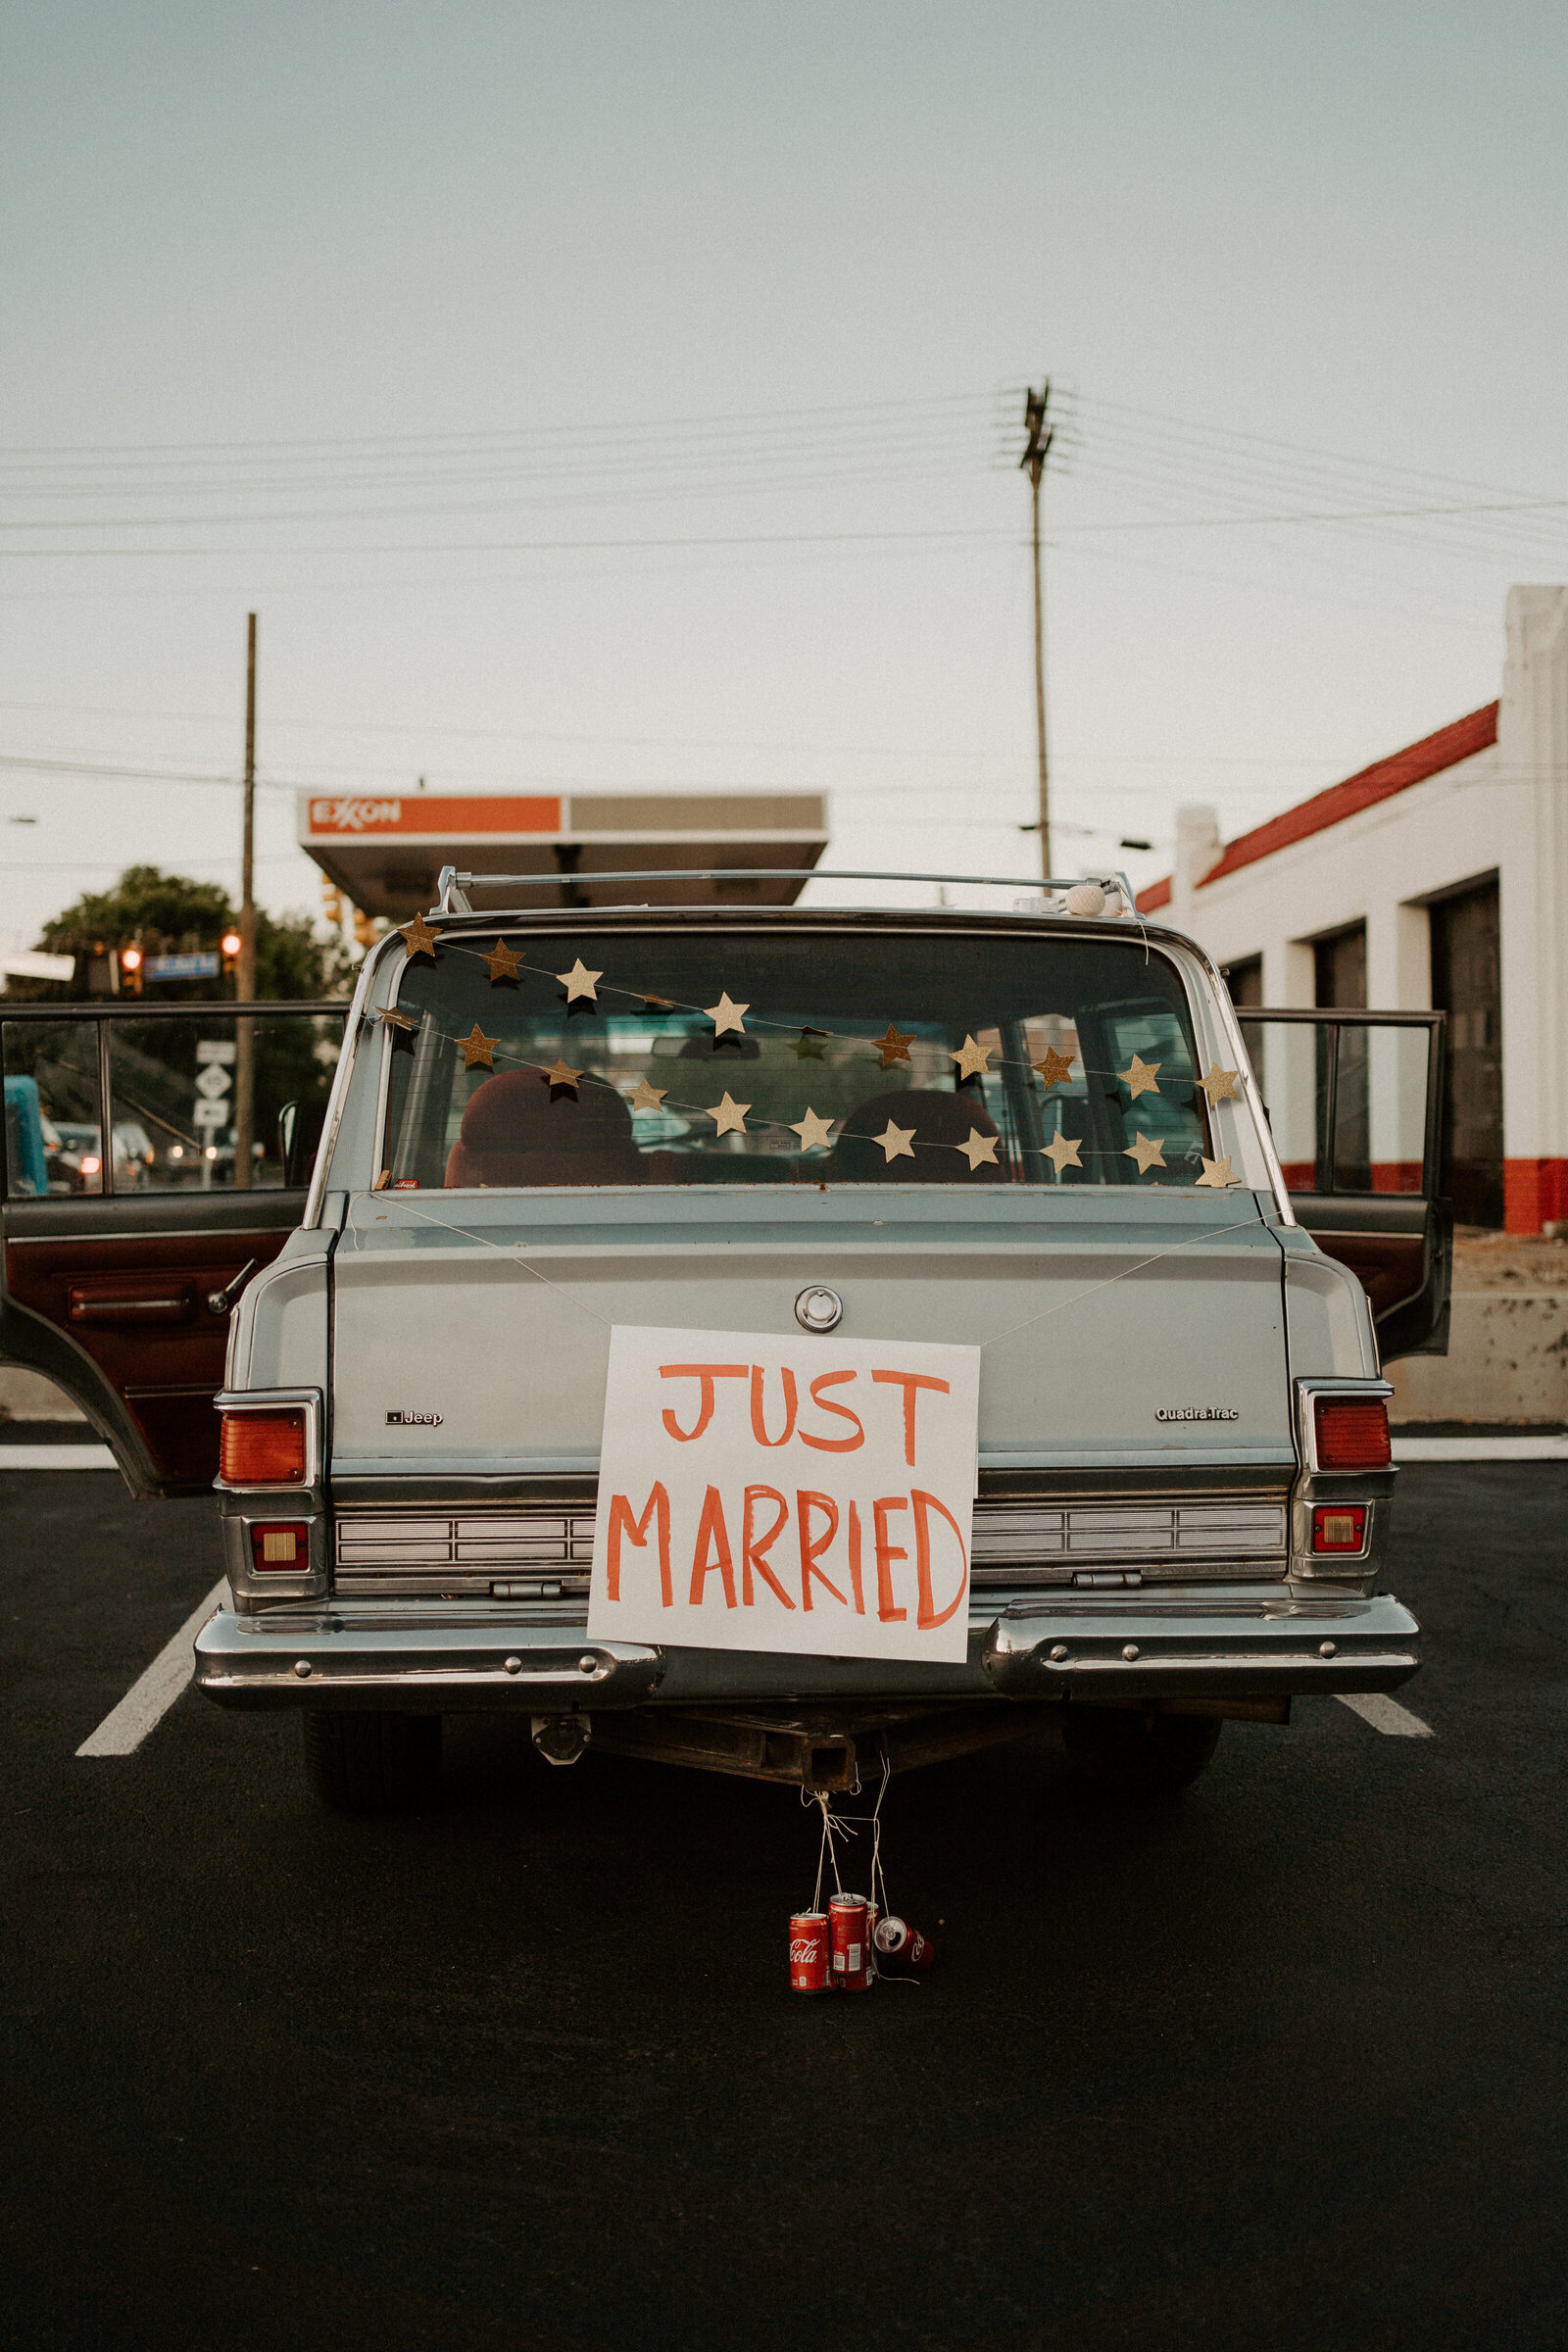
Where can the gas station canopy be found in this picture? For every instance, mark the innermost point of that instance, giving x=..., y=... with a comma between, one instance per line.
x=385, y=852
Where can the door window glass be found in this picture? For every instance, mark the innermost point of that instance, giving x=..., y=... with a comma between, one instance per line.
x=179, y=1083
x=54, y=1115
x=1346, y=1102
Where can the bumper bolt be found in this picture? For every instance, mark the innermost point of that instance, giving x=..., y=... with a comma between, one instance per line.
x=1326, y=1649
x=587, y=1663
x=1130, y=1652
x=1059, y=1649
x=302, y=1667
x=513, y=1665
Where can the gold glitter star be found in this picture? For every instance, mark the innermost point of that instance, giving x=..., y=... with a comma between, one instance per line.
x=418, y=937
x=648, y=1098
x=479, y=1048
x=726, y=1015
x=1148, y=1150
x=807, y=1046
x=1219, y=1085
x=503, y=963
x=580, y=982
x=897, y=1142
x=1217, y=1174
x=1062, y=1151
x=1141, y=1077
x=728, y=1116
x=812, y=1131
x=558, y=1074
x=971, y=1060
x=393, y=1020
x=979, y=1150
x=1057, y=1068
x=893, y=1047
x=382, y=1181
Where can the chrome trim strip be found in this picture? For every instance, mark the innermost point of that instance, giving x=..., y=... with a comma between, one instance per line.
x=341, y=1077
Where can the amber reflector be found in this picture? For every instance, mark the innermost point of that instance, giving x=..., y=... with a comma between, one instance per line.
x=1338, y=1526
x=1352, y=1434
x=262, y=1449
x=281, y=1550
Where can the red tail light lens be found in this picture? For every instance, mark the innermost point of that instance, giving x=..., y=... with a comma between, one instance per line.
x=1352, y=1434
x=262, y=1449
x=282, y=1548
x=1338, y=1526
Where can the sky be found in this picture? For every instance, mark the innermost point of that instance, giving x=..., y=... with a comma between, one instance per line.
x=632, y=396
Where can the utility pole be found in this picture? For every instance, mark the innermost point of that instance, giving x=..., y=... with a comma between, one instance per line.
x=245, y=975
x=1033, y=463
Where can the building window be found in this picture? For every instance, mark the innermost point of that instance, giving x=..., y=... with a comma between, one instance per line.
x=1339, y=965
x=1244, y=980
x=1467, y=985
x=1339, y=972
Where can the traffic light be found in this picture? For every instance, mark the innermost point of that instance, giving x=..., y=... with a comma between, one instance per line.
x=230, y=945
x=131, y=971
x=332, y=902
x=365, y=933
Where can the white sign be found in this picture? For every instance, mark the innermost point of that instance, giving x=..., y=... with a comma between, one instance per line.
x=213, y=1081
x=809, y=1495
x=214, y=1049
x=207, y=1113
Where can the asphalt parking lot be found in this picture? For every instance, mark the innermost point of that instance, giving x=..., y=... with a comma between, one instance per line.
x=1278, y=2062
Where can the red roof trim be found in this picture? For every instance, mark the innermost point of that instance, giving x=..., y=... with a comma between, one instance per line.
x=1461, y=740
x=1473, y=733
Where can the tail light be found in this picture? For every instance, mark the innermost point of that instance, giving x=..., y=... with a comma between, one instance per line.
x=262, y=1449
x=1338, y=1526
x=281, y=1547
x=1352, y=1433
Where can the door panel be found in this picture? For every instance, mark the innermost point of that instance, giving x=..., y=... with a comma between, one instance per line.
x=1356, y=1103
x=123, y=1295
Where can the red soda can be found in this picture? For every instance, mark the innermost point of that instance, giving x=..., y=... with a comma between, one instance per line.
x=902, y=1946
x=848, y=1943
x=809, y=1952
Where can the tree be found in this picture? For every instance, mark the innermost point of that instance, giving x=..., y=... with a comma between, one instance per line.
x=166, y=915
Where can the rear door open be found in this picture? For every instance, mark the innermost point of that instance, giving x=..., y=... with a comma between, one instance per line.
x=136, y=1207
x=1354, y=1099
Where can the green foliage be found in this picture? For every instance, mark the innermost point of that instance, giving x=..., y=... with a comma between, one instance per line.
x=166, y=915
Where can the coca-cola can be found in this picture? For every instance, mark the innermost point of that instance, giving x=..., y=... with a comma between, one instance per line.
x=809, y=1971
x=848, y=1943
x=900, y=1945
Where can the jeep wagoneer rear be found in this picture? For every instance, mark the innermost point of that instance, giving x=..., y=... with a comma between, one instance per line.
x=1027, y=1135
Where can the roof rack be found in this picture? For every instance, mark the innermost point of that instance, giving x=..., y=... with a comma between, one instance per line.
x=453, y=885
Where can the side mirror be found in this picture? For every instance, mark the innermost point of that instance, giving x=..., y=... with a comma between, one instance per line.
x=299, y=1138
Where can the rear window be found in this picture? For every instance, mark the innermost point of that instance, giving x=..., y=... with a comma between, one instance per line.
x=811, y=1056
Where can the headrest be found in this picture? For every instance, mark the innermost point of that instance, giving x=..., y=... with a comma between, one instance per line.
x=936, y=1118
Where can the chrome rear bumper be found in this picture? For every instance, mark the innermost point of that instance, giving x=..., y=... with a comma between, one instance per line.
x=1265, y=1642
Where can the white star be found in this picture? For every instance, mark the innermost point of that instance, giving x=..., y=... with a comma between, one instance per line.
x=580, y=982
x=1148, y=1150
x=1062, y=1151
x=729, y=1116
x=1140, y=1077
x=1217, y=1084
x=1217, y=1173
x=725, y=1015
x=971, y=1060
x=979, y=1150
x=648, y=1098
x=812, y=1131
x=897, y=1142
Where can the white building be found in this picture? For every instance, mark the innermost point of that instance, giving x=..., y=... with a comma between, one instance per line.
x=1434, y=879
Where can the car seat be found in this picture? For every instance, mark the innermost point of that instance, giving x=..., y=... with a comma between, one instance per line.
x=519, y=1131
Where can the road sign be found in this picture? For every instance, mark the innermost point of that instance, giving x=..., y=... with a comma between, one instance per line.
x=213, y=1081
x=215, y=1048
x=210, y=1114
x=200, y=966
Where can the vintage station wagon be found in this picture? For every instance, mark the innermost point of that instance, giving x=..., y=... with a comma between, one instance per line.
x=1177, y=1235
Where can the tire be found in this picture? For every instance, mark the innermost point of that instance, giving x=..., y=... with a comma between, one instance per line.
x=1123, y=1750
x=370, y=1760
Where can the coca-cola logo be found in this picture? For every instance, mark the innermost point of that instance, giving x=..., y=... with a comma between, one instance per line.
x=352, y=814
x=806, y=1947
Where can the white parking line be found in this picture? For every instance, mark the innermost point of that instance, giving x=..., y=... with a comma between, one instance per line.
x=1385, y=1714
x=56, y=1457
x=150, y=1697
